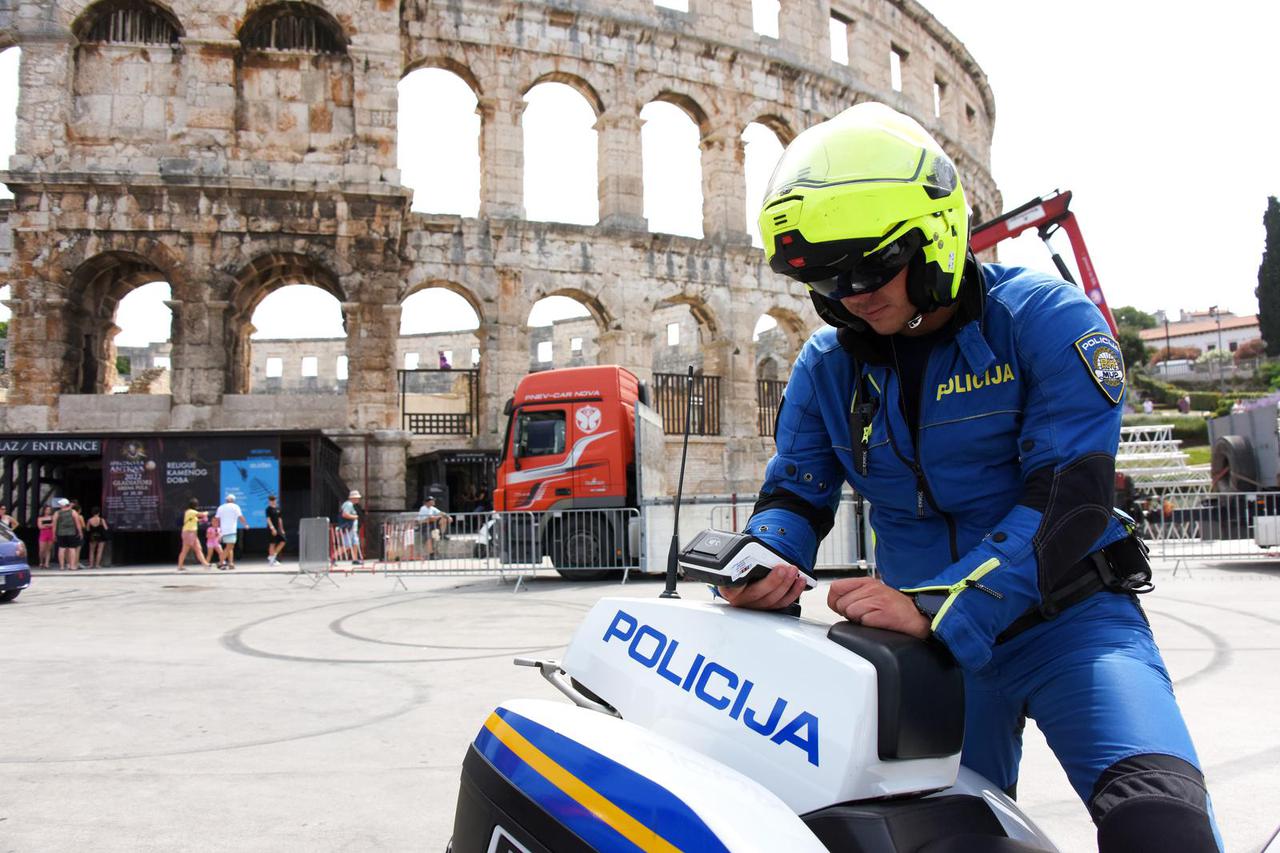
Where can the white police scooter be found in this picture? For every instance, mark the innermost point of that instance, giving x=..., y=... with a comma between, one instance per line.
x=702, y=727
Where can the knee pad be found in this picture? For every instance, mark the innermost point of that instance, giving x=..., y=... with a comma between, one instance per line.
x=1152, y=803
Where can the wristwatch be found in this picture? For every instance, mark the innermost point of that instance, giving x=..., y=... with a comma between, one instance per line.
x=929, y=603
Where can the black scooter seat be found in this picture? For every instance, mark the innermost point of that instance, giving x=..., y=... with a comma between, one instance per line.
x=920, y=690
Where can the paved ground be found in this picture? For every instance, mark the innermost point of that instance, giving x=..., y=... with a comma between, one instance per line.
x=219, y=711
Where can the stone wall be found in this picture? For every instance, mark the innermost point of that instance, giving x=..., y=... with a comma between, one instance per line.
x=230, y=165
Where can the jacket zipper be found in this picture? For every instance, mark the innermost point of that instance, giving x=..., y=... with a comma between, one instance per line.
x=923, y=493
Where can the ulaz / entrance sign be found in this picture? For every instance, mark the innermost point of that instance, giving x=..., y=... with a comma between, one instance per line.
x=51, y=446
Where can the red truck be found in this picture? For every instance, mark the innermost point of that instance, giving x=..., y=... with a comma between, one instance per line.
x=569, y=481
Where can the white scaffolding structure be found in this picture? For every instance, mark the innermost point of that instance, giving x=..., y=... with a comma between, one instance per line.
x=1155, y=461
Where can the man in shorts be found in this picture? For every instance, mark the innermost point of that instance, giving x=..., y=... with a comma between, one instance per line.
x=230, y=519
x=275, y=532
x=349, y=528
x=430, y=520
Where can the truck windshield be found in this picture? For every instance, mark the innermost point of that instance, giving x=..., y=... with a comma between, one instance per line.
x=540, y=433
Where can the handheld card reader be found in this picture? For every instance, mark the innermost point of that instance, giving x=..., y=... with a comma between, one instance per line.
x=731, y=559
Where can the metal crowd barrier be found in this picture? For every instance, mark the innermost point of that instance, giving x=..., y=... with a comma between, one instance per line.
x=1209, y=527
x=590, y=544
x=315, y=559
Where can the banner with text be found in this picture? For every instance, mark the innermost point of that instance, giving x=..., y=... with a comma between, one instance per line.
x=147, y=483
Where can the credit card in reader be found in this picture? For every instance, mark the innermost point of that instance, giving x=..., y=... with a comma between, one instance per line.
x=731, y=559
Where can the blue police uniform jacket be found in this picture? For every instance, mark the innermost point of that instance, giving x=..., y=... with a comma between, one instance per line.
x=1006, y=483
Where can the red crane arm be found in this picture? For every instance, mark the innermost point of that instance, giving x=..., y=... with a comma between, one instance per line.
x=1047, y=214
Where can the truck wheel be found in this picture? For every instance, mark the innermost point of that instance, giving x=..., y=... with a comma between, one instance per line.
x=1234, y=467
x=580, y=549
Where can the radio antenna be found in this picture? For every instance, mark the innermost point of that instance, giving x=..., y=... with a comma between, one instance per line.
x=673, y=554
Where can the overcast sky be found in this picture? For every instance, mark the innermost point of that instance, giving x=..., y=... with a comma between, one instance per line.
x=1161, y=118
x=1158, y=116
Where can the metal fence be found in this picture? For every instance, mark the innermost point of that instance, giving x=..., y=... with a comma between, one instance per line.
x=439, y=402
x=592, y=544
x=768, y=401
x=1226, y=526
x=704, y=403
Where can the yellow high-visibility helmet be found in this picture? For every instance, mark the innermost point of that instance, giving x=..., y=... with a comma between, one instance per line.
x=855, y=199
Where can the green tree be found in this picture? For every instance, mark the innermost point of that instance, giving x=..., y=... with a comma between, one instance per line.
x=1127, y=315
x=1268, y=291
x=124, y=365
x=1132, y=348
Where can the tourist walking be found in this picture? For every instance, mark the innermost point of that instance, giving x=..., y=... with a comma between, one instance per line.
x=67, y=526
x=229, y=520
x=44, y=523
x=213, y=542
x=191, y=519
x=97, y=534
x=349, y=528
x=275, y=530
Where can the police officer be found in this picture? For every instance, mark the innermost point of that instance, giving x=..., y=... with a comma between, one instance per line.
x=978, y=408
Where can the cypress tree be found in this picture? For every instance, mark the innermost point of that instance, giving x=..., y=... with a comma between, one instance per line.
x=1268, y=291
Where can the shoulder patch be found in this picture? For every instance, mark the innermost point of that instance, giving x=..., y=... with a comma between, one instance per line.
x=1102, y=356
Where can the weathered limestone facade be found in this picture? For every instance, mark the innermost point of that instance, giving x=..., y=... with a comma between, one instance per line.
x=230, y=150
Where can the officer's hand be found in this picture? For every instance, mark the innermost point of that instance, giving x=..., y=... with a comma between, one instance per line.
x=870, y=602
x=776, y=590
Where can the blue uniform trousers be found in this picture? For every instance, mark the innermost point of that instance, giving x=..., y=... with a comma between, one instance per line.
x=1095, y=684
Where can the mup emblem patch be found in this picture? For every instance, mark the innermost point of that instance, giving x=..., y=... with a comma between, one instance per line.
x=1102, y=356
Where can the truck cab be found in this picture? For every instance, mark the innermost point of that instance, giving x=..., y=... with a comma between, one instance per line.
x=566, y=481
x=570, y=441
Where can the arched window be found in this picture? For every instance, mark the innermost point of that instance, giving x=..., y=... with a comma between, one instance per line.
x=559, y=129
x=298, y=335
x=442, y=169
x=672, y=160
x=10, y=61
x=562, y=333
x=763, y=149
x=143, y=346
x=127, y=22
x=294, y=27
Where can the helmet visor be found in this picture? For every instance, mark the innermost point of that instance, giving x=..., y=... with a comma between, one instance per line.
x=856, y=275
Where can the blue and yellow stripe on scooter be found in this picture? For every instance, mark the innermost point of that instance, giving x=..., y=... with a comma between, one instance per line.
x=607, y=805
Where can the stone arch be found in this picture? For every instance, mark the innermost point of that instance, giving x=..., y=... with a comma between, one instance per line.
x=93, y=292
x=781, y=126
x=467, y=344
x=673, y=358
x=292, y=25
x=783, y=345
x=700, y=309
x=564, y=338
x=604, y=318
x=447, y=63
x=128, y=22
x=445, y=284
x=686, y=102
x=259, y=278
x=576, y=82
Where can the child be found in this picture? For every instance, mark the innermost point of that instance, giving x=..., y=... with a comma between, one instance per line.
x=213, y=541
